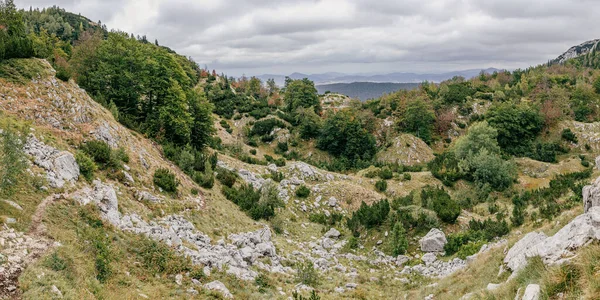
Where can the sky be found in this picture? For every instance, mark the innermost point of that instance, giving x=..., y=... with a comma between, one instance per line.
x=255, y=37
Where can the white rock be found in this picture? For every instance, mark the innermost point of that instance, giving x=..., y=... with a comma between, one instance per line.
x=178, y=279
x=219, y=287
x=532, y=292
x=56, y=292
x=332, y=202
x=516, y=257
x=429, y=258
x=493, y=286
x=434, y=241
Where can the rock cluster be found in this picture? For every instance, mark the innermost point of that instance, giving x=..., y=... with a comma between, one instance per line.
x=237, y=257
x=18, y=250
x=61, y=166
x=559, y=247
x=219, y=287
x=434, y=267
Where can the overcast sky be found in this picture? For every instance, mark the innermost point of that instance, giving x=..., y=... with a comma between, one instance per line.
x=353, y=36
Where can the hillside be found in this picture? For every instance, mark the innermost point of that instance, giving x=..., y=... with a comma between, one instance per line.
x=127, y=171
x=365, y=90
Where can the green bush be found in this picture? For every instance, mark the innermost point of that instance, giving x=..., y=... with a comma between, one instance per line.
x=282, y=147
x=257, y=204
x=99, y=151
x=226, y=177
x=265, y=127
x=159, y=259
x=386, y=173
x=306, y=274
x=56, y=262
x=381, y=185
x=399, y=240
x=569, y=136
x=13, y=161
x=253, y=151
x=321, y=218
x=87, y=167
x=166, y=180
x=439, y=201
x=407, y=177
x=302, y=192
x=369, y=216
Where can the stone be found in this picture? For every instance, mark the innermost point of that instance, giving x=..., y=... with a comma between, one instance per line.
x=61, y=166
x=56, y=291
x=339, y=290
x=591, y=194
x=13, y=204
x=401, y=260
x=379, y=242
x=434, y=241
x=351, y=285
x=532, y=292
x=178, y=279
x=219, y=287
x=332, y=233
x=105, y=197
x=147, y=196
x=516, y=257
x=10, y=221
x=493, y=286
x=429, y=258
x=332, y=202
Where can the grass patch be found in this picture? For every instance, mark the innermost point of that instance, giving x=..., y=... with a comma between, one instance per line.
x=22, y=71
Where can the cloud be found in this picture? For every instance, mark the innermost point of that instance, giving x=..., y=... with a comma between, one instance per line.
x=275, y=36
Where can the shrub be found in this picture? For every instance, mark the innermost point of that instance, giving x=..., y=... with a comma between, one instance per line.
x=99, y=151
x=166, y=180
x=226, y=177
x=369, y=216
x=381, y=185
x=399, y=240
x=257, y=204
x=253, y=151
x=158, y=258
x=306, y=274
x=386, y=173
x=263, y=283
x=282, y=147
x=321, y=218
x=13, y=161
x=303, y=192
x=407, y=177
x=56, y=262
x=445, y=168
x=569, y=136
x=87, y=167
x=265, y=127
x=439, y=201
x=403, y=201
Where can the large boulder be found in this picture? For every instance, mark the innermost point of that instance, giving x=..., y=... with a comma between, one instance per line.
x=61, y=166
x=219, y=287
x=434, y=241
x=103, y=196
x=516, y=257
x=532, y=292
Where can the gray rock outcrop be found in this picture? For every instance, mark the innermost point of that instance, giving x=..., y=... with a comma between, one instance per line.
x=61, y=166
x=532, y=292
x=219, y=287
x=591, y=195
x=559, y=247
x=434, y=241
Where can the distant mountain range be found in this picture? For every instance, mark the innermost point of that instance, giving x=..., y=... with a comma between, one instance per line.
x=365, y=90
x=334, y=77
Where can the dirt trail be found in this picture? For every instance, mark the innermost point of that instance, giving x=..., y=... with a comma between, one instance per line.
x=22, y=249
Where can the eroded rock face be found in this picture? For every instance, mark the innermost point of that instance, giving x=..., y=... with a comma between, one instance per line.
x=559, y=247
x=591, y=195
x=105, y=197
x=61, y=166
x=516, y=257
x=434, y=241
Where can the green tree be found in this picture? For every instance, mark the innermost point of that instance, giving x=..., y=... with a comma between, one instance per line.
x=487, y=168
x=418, y=119
x=174, y=118
x=480, y=136
x=309, y=123
x=399, y=240
x=517, y=126
x=301, y=93
x=12, y=160
x=344, y=135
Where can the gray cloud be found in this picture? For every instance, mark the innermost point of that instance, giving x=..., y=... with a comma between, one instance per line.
x=274, y=36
